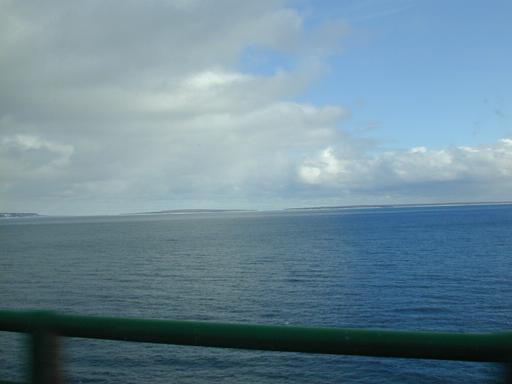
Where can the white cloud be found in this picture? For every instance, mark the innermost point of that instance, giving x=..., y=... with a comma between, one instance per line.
x=416, y=168
x=210, y=79
x=326, y=168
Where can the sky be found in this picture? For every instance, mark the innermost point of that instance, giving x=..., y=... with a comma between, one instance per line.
x=131, y=106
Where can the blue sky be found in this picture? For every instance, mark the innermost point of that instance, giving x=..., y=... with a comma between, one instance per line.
x=416, y=72
x=431, y=73
x=112, y=107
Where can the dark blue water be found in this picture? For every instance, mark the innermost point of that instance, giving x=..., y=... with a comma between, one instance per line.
x=439, y=269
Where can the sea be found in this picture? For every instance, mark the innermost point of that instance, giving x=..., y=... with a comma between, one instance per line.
x=434, y=268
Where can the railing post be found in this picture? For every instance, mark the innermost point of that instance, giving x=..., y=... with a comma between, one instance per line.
x=508, y=373
x=45, y=358
x=44, y=351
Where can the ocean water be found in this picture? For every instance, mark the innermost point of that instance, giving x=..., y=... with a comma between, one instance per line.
x=429, y=268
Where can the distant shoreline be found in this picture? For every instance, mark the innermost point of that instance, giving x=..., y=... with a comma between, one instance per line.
x=12, y=215
x=319, y=208
x=409, y=205
x=188, y=211
x=192, y=211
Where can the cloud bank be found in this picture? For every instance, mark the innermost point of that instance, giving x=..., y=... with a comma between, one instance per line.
x=112, y=107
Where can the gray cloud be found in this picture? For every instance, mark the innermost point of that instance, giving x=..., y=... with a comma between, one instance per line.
x=123, y=106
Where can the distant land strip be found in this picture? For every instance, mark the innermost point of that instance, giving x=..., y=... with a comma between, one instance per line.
x=189, y=211
x=410, y=205
x=18, y=214
x=326, y=207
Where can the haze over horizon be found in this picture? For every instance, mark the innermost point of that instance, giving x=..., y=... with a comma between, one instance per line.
x=115, y=107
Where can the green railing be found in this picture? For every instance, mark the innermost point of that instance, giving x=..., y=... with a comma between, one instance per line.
x=46, y=327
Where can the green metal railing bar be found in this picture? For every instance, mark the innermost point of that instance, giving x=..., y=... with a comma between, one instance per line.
x=481, y=347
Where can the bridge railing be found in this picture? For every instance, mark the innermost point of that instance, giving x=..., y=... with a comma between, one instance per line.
x=45, y=328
